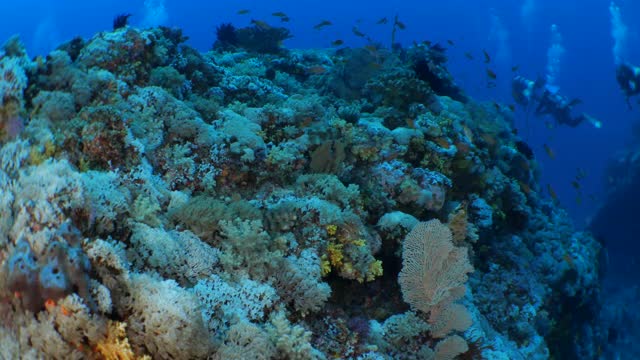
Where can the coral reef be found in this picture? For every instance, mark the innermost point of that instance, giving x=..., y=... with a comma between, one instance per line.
x=257, y=202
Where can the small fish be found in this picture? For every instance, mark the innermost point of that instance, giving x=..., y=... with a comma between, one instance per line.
x=578, y=200
x=575, y=184
x=487, y=58
x=575, y=102
x=279, y=14
x=243, y=12
x=443, y=143
x=524, y=187
x=581, y=174
x=337, y=42
x=371, y=48
x=468, y=55
x=261, y=24
x=491, y=74
x=549, y=125
x=491, y=84
x=322, y=24
x=496, y=105
x=400, y=25
x=511, y=107
x=450, y=42
x=285, y=19
x=357, y=32
x=549, y=151
x=411, y=123
x=382, y=21
x=515, y=68
x=316, y=70
x=552, y=192
x=427, y=42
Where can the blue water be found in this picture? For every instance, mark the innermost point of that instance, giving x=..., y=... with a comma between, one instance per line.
x=514, y=34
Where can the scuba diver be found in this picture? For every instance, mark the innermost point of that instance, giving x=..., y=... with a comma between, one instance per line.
x=628, y=77
x=549, y=102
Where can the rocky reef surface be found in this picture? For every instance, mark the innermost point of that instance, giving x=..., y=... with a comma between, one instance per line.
x=256, y=202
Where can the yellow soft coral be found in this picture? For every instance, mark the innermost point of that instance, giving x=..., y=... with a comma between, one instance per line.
x=116, y=345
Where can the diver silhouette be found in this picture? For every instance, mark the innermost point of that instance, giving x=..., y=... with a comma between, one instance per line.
x=549, y=102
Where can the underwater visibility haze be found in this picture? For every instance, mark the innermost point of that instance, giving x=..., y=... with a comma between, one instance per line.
x=319, y=180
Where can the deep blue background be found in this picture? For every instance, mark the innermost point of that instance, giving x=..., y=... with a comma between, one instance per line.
x=587, y=68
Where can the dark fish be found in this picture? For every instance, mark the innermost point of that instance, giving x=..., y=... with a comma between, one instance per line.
x=261, y=24
x=243, y=11
x=468, y=55
x=450, y=42
x=524, y=149
x=285, y=19
x=400, y=24
x=549, y=151
x=279, y=14
x=552, y=192
x=575, y=102
x=575, y=184
x=427, y=42
x=491, y=84
x=337, y=42
x=515, y=68
x=322, y=24
x=487, y=58
x=496, y=105
x=492, y=75
x=382, y=21
x=511, y=107
x=581, y=174
x=357, y=32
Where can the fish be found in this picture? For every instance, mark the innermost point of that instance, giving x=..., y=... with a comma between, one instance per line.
x=427, y=42
x=549, y=151
x=279, y=14
x=468, y=55
x=322, y=24
x=491, y=74
x=552, y=192
x=450, y=42
x=285, y=19
x=578, y=200
x=371, y=48
x=515, y=68
x=487, y=58
x=357, y=32
x=512, y=107
x=337, y=42
x=261, y=24
x=581, y=174
x=491, y=85
x=243, y=12
x=399, y=24
x=575, y=184
x=382, y=21
x=316, y=70
x=575, y=102
x=496, y=105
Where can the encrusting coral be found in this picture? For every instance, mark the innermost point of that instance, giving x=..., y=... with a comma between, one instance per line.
x=156, y=201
